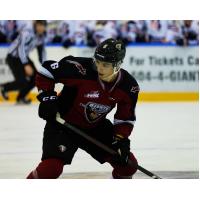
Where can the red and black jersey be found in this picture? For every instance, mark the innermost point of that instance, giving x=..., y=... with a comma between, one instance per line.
x=85, y=100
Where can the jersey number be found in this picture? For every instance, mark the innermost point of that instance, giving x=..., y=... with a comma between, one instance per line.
x=54, y=65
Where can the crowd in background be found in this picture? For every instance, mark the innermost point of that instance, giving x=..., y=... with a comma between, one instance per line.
x=92, y=32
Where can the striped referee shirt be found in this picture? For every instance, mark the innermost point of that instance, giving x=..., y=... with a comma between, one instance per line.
x=26, y=41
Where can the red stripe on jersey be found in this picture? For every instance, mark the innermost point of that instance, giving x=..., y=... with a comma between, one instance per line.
x=124, y=129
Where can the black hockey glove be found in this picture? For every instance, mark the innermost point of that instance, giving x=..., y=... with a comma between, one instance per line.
x=48, y=105
x=122, y=146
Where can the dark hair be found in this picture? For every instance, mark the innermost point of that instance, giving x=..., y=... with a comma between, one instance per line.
x=42, y=22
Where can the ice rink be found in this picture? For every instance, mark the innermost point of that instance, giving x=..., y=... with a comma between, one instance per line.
x=165, y=141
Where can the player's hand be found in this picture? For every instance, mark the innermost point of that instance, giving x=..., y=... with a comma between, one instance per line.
x=28, y=70
x=48, y=105
x=122, y=146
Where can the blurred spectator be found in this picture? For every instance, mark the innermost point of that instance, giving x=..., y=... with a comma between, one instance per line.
x=123, y=30
x=52, y=29
x=190, y=31
x=65, y=32
x=142, y=35
x=3, y=38
x=156, y=30
x=111, y=29
x=98, y=34
x=92, y=32
x=132, y=32
x=80, y=33
x=174, y=33
x=10, y=29
x=104, y=30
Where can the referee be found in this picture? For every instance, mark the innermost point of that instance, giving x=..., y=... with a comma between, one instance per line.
x=21, y=66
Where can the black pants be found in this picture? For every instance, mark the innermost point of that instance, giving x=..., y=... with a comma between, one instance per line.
x=62, y=144
x=22, y=83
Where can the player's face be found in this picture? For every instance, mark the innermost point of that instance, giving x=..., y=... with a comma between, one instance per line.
x=40, y=28
x=105, y=70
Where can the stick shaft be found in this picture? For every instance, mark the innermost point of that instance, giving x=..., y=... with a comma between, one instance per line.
x=102, y=146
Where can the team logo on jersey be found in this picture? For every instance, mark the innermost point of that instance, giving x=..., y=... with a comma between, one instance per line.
x=94, y=111
x=80, y=68
x=135, y=89
x=92, y=94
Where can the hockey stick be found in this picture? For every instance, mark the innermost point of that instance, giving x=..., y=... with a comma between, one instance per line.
x=101, y=145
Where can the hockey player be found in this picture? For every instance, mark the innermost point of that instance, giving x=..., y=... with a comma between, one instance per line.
x=21, y=66
x=92, y=88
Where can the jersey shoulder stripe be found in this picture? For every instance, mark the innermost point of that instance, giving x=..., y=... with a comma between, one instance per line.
x=78, y=67
x=128, y=84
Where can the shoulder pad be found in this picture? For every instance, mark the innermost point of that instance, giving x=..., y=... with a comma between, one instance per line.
x=129, y=84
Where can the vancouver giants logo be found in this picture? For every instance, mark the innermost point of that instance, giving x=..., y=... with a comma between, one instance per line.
x=80, y=68
x=94, y=111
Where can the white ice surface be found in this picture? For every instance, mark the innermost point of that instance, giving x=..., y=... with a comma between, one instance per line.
x=165, y=138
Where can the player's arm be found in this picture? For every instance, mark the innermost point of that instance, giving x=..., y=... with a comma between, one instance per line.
x=45, y=83
x=124, y=120
x=65, y=71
